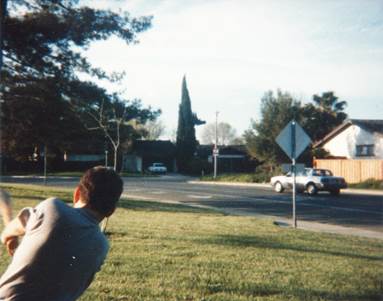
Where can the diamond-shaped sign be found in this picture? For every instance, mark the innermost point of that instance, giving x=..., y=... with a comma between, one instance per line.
x=293, y=137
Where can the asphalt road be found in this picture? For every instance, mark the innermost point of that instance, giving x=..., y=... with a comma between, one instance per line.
x=363, y=211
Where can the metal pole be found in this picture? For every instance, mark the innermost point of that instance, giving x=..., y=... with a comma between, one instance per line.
x=216, y=129
x=45, y=164
x=215, y=164
x=294, y=194
x=293, y=146
x=106, y=158
x=215, y=154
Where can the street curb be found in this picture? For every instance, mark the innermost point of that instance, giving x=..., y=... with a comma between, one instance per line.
x=239, y=184
x=268, y=187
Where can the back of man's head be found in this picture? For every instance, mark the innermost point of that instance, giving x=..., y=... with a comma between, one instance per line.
x=101, y=188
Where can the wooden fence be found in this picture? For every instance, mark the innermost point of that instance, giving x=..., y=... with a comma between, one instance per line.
x=354, y=171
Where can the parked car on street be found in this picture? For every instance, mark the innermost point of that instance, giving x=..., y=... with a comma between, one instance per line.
x=311, y=180
x=157, y=168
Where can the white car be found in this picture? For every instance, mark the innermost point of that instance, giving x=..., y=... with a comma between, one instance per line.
x=157, y=168
x=311, y=180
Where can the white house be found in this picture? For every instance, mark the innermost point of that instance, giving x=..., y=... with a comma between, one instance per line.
x=355, y=139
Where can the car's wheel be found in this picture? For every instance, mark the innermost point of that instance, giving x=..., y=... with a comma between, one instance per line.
x=278, y=187
x=312, y=189
x=335, y=192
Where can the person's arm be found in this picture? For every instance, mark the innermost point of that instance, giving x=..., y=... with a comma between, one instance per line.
x=14, y=229
x=5, y=207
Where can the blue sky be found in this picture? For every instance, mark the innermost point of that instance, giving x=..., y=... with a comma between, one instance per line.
x=232, y=52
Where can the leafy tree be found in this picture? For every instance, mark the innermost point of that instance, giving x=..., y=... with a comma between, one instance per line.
x=31, y=119
x=323, y=115
x=226, y=134
x=276, y=112
x=43, y=43
x=44, y=38
x=186, y=140
x=317, y=118
x=3, y=10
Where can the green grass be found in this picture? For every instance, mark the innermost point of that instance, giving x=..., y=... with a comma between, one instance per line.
x=173, y=252
x=239, y=177
x=137, y=175
x=368, y=184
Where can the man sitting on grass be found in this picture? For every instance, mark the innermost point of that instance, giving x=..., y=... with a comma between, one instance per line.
x=63, y=246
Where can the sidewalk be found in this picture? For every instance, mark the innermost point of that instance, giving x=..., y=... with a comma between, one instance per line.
x=268, y=187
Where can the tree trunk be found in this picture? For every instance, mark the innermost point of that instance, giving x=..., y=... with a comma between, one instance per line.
x=115, y=157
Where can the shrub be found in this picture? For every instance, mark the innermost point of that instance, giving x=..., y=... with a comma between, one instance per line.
x=197, y=167
x=369, y=184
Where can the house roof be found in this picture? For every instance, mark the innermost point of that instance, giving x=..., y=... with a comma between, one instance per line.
x=154, y=147
x=206, y=150
x=370, y=125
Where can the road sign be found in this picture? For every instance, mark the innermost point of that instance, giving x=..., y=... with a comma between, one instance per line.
x=293, y=139
x=215, y=151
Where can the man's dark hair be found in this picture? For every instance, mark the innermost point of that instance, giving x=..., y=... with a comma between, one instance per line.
x=101, y=188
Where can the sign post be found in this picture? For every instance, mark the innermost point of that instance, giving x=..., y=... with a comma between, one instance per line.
x=293, y=147
x=215, y=155
x=293, y=140
x=216, y=150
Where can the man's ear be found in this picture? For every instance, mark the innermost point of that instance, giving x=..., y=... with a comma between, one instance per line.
x=76, y=195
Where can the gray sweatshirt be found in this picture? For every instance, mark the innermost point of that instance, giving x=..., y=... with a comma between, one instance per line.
x=59, y=255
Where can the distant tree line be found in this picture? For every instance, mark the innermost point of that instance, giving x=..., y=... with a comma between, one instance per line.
x=318, y=118
x=225, y=134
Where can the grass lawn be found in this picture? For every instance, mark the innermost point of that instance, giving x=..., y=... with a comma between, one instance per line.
x=172, y=252
x=238, y=177
x=368, y=184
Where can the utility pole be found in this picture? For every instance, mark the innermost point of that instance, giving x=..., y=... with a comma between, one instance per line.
x=215, y=150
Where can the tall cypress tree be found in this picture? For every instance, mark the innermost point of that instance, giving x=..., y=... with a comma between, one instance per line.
x=186, y=141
